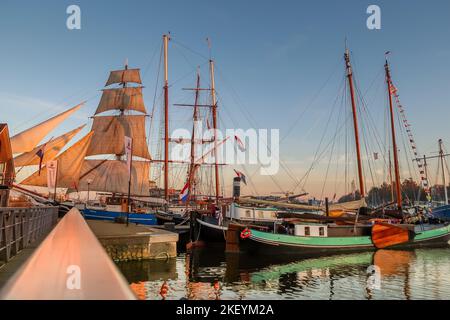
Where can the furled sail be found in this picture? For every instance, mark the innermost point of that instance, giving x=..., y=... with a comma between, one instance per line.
x=27, y=140
x=69, y=166
x=122, y=99
x=109, y=133
x=51, y=150
x=124, y=76
x=112, y=176
x=350, y=206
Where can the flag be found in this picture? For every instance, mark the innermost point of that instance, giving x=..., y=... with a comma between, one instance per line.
x=40, y=154
x=52, y=169
x=240, y=144
x=184, y=192
x=241, y=175
x=128, y=152
x=393, y=89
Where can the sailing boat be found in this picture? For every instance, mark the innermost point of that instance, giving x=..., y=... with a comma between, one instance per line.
x=108, y=172
x=300, y=238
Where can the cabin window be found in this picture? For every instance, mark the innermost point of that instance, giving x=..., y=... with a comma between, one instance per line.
x=321, y=231
x=248, y=213
x=260, y=214
x=307, y=231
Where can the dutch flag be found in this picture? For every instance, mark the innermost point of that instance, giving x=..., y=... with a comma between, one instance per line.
x=239, y=143
x=184, y=192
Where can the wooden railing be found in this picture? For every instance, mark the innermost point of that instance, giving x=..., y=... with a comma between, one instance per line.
x=20, y=227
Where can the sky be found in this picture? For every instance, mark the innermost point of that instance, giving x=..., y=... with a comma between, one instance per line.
x=279, y=66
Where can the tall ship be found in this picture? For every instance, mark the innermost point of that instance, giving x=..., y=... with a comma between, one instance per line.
x=99, y=161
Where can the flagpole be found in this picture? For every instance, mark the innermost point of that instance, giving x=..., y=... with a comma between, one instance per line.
x=56, y=180
x=129, y=182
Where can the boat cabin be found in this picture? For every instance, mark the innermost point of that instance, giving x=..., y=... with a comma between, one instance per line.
x=311, y=230
x=330, y=230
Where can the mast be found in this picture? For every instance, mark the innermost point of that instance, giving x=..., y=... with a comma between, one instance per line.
x=355, y=122
x=166, y=122
x=214, y=114
x=390, y=176
x=394, y=143
x=441, y=156
x=193, y=137
x=427, y=190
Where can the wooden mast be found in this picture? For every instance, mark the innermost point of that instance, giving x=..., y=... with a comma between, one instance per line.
x=193, y=137
x=214, y=114
x=390, y=176
x=394, y=143
x=355, y=122
x=166, y=122
x=441, y=156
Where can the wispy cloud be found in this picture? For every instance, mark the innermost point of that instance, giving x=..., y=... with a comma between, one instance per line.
x=25, y=111
x=292, y=44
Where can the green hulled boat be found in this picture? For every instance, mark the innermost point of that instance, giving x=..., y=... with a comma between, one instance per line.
x=301, y=244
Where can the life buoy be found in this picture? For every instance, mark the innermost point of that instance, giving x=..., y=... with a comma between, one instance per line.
x=246, y=233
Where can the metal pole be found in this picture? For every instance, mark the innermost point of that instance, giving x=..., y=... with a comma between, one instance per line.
x=129, y=184
x=56, y=179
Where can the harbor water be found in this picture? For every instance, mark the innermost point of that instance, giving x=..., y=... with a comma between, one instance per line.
x=208, y=273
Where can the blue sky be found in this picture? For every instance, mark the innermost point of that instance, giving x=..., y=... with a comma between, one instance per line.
x=274, y=55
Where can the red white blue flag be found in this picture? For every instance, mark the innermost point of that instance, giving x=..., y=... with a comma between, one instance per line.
x=40, y=153
x=241, y=175
x=239, y=143
x=184, y=192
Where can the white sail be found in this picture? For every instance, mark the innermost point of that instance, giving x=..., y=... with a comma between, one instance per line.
x=122, y=99
x=124, y=76
x=69, y=166
x=112, y=176
x=51, y=150
x=27, y=140
x=109, y=133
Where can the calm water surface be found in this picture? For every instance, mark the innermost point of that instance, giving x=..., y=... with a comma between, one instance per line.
x=210, y=274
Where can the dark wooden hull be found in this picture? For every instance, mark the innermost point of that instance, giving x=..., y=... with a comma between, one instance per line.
x=162, y=218
x=208, y=229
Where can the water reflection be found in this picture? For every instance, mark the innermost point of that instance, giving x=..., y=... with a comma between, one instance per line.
x=210, y=274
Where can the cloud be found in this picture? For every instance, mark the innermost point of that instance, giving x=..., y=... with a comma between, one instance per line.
x=292, y=44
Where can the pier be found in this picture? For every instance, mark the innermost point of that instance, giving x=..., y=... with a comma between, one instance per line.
x=134, y=242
